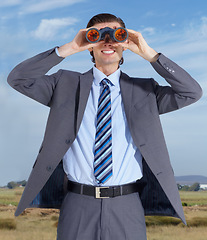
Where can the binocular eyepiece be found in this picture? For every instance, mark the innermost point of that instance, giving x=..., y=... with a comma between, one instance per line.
x=94, y=35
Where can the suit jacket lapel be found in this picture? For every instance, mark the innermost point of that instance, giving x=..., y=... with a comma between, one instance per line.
x=132, y=93
x=85, y=85
x=126, y=87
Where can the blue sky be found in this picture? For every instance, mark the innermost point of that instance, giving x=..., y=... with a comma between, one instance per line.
x=176, y=28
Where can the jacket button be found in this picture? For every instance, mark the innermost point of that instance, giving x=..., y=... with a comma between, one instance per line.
x=49, y=168
x=67, y=141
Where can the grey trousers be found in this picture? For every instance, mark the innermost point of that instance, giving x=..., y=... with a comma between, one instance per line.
x=84, y=217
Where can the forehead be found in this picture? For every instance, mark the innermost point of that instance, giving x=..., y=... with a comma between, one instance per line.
x=113, y=25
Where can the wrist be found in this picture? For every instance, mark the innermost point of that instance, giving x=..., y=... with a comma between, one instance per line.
x=151, y=55
x=66, y=50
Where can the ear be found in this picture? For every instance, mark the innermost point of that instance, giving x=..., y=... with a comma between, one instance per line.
x=90, y=49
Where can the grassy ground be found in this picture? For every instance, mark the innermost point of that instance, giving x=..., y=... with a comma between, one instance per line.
x=8, y=196
x=194, y=198
x=41, y=224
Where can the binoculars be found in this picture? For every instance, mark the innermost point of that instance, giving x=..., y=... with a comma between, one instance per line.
x=94, y=35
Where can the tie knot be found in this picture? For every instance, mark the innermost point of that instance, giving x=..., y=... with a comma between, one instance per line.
x=105, y=82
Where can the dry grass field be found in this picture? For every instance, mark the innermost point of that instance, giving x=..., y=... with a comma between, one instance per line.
x=40, y=224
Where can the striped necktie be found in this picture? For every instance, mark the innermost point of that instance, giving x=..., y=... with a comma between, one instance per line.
x=103, y=139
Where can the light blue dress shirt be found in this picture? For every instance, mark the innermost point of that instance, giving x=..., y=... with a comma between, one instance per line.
x=78, y=162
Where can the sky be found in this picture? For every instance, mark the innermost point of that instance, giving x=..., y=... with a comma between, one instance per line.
x=177, y=28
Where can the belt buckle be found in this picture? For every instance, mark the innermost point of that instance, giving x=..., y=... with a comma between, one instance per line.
x=98, y=192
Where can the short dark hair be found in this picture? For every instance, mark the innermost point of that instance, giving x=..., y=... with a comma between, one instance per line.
x=105, y=17
x=102, y=18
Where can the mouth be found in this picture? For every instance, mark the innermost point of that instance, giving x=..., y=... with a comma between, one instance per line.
x=108, y=52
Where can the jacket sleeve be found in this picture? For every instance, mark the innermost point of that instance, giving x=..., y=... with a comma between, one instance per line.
x=183, y=89
x=30, y=79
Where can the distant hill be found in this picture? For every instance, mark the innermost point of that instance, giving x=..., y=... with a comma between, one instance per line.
x=190, y=179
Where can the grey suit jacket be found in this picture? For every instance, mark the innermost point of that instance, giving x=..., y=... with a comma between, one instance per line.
x=66, y=93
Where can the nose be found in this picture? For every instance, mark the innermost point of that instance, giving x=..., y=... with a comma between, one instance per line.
x=107, y=38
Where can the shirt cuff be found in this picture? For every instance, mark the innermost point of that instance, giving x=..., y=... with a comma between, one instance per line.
x=56, y=50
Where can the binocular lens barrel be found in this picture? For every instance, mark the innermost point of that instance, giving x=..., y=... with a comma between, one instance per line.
x=94, y=35
x=120, y=34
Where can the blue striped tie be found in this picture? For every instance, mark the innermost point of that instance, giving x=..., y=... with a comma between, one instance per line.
x=103, y=140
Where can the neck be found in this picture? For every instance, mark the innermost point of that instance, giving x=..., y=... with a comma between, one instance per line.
x=108, y=69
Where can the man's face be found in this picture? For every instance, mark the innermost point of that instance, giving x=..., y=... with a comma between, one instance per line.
x=107, y=51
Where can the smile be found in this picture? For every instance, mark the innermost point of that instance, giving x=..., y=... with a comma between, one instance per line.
x=108, y=51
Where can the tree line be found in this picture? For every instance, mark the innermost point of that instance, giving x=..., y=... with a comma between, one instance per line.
x=12, y=184
x=195, y=187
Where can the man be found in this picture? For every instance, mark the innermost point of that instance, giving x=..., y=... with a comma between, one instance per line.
x=104, y=112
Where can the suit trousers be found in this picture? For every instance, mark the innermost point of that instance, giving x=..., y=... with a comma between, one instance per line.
x=84, y=217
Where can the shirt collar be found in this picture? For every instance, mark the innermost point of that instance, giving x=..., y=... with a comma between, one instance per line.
x=99, y=76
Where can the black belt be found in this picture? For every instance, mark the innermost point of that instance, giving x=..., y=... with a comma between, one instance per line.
x=103, y=192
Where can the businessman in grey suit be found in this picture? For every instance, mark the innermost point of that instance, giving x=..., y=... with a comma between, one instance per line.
x=103, y=197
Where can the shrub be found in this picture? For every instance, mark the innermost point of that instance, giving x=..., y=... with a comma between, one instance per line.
x=12, y=185
x=197, y=222
x=7, y=224
x=162, y=221
x=195, y=187
x=54, y=218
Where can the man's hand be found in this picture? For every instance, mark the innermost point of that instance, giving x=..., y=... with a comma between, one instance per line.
x=137, y=44
x=78, y=44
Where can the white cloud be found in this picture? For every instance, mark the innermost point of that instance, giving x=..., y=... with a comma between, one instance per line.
x=197, y=30
x=204, y=26
x=9, y=3
x=49, y=28
x=148, y=30
x=36, y=6
x=154, y=14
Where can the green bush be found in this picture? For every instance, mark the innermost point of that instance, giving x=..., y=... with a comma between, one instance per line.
x=195, y=187
x=12, y=185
